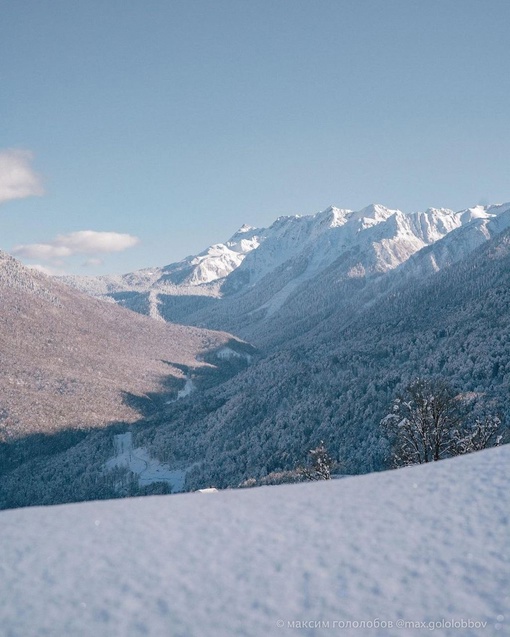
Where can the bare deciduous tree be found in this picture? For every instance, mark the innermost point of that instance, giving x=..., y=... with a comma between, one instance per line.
x=424, y=422
x=485, y=432
x=429, y=422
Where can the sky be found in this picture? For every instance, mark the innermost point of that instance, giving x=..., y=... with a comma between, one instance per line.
x=136, y=132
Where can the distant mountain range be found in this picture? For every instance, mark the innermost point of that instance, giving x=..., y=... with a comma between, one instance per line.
x=336, y=378
x=349, y=307
x=344, y=307
x=258, y=282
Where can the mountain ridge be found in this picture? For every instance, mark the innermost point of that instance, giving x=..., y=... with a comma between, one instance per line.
x=350, y=343
x=72, y=361
x=241, y=293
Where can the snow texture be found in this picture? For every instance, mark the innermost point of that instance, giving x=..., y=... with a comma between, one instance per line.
x=422, y=544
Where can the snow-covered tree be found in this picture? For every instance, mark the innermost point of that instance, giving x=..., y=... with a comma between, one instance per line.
x=429, y=422
x=424, y=422
x=320, y=464
x=485, y=432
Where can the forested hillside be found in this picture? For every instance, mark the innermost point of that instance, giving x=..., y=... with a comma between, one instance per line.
x=334, y=383
x=337, y=381
x=71, y=364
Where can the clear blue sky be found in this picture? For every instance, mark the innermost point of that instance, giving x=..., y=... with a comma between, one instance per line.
x=176, y=121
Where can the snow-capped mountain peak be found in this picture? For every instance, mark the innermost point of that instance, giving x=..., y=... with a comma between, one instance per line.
x=477, y=212
x=246, y=239
x=374, y=211
x=245, y=228
x=261, y=268
x=333, y=217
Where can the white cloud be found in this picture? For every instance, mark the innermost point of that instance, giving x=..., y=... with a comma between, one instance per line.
x=80, y=242
x=92, y=242
x=44, y=251
x=17, y=178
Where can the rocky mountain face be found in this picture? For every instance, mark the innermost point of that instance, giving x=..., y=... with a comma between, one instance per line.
x=258, y=283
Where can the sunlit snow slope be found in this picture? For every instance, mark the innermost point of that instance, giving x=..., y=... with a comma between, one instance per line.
x=425, y=544
x=257, y=283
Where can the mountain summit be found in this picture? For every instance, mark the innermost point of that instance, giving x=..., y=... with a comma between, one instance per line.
x=346, y=309
x=253, y=278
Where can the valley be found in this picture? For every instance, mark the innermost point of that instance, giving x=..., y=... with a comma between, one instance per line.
x=336, y=329
x=254, y=318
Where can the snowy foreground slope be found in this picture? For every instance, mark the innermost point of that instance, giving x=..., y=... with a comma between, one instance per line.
x=424, y=544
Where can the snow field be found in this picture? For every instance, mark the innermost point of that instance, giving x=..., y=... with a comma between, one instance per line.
x=422, y=544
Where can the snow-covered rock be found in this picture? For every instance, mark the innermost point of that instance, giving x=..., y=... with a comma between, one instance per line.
x=321, y=237
x=240, y=285
x=215, y=262
x=416, y=551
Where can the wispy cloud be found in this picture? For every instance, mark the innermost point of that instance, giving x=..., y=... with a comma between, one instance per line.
x=44, y=251
x=17, y=177
x=80, y=242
